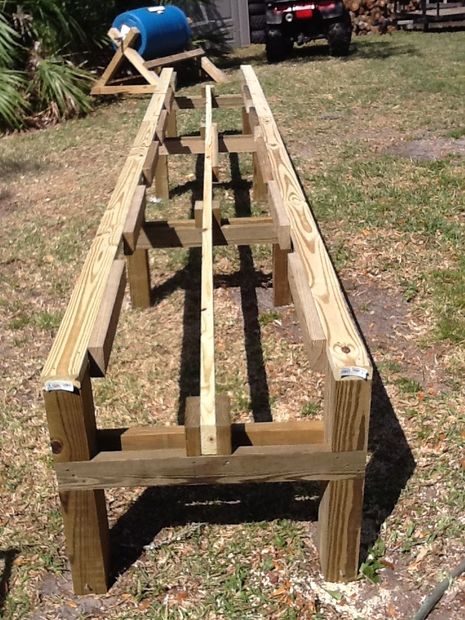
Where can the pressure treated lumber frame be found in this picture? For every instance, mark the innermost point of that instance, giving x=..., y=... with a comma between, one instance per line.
x=109, y=84
x=208, y=449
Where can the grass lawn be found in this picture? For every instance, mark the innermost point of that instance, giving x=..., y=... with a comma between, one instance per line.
x=378, y=140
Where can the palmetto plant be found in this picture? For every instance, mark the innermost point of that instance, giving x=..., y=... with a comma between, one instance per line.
x=39, y=39
x=43, y=47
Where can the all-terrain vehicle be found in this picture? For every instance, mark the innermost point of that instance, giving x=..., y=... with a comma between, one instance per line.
x=299, y=22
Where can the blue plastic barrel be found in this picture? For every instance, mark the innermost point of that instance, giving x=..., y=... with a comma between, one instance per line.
x=164, y=30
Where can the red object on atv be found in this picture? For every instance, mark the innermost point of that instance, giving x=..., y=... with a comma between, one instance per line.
x=305, y=13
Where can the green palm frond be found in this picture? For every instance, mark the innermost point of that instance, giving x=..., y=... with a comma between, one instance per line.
x=61, y=87
x=54, y=19
x=13, y=105
x=9, y=44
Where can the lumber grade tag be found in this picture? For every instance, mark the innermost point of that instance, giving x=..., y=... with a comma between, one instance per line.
x=354, y=371
x=59, y=386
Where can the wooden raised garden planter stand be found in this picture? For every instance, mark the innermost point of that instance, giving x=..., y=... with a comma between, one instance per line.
x=208, y=449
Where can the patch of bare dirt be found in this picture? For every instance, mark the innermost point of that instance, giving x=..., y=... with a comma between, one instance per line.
x=429, y=149
x=389, y=325
x=60, y=601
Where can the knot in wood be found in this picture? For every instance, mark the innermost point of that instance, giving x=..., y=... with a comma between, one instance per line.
x=56, y=446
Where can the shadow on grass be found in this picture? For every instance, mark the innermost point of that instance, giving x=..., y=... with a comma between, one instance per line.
x=157, y=508
x=257, y=56
x=381, y=49
x=388, y=470
x=10, y=167
x=7, y=558
x=247, y=279
x=360, y=48
x=390, y=466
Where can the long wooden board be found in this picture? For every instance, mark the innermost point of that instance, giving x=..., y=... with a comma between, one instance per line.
x=185, y=233
x=198, y=101
x=247, y=464
x=167, y=61
x=194, y=145
x=124, y=89
x=101, y=340
x=213, y=71
x=345, y=348
x=68, y=357
x=313, y=335
x=208, y=428
x=292, y=433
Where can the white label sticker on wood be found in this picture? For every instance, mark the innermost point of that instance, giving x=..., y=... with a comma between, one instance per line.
x=56, y=386
x=354, y=371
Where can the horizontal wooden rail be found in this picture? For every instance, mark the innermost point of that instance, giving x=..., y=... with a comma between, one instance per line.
x=279, y=215
x=135, y=219
x=184, y=233
x=121, y=89
x=218, y=101
x=172, y=467
x=194, y=145
x=345, y=348
x=68, y=359
x=167, y=61
x=151, y=161
x=294, y=432
x=309, y=321
x=101, y=340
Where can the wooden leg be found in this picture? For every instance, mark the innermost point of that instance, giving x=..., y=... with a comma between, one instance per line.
x=346, y=415
x=212, y=71
x=260, y=188
x=86, y=532
x=340, y=518
x=139, y=278
x=161, y=178
x=281, y=290
x=245, y=122
x=72, y=427
x=172, y=125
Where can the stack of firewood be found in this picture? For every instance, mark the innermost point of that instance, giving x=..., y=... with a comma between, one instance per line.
x=371, y=16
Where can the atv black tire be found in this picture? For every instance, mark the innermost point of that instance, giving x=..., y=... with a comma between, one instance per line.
x=277, y=46
x=257, y=8
x=258, y=36
x=339, y=36
x=257, y=22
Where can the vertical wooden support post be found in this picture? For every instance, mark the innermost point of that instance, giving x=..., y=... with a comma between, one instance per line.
x=192, y=425
x=260, y=188
x=172, y=124
x=281, y=289
x=161, y=178
x=139, y=278
x=137, y=259
x=347, y=410
x=245, y=122
x=71, y=421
